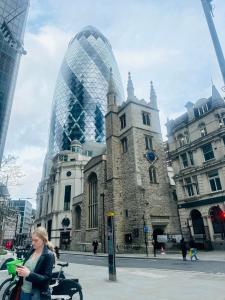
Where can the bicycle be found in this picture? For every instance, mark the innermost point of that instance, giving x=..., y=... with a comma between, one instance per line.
x=60, y=287
x=66, y=289
x=20, y=255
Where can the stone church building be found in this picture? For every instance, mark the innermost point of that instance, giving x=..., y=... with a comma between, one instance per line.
x=128, y=178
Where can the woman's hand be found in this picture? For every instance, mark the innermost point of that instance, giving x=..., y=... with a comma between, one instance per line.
x=23, y=271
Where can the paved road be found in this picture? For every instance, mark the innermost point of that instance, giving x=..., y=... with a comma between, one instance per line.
x=212, y=267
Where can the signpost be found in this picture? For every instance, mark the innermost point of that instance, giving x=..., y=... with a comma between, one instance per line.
x=145, y=230
x=111, y=246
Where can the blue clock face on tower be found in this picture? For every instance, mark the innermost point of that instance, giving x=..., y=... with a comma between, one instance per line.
x=150, y=155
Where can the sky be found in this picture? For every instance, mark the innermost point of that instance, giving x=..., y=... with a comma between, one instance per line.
x=167, y=42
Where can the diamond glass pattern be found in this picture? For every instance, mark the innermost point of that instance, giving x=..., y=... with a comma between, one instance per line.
x=79, y=102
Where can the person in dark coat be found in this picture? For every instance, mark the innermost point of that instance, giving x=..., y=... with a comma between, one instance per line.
x=36, y=272
x=154, y=244
x=183, y=248
x=95, y=246
x=57, y=252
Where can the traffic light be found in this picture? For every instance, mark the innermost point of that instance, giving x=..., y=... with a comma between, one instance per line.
x=223, y=215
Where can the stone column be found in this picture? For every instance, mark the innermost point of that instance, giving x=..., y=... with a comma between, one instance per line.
x=210, y=226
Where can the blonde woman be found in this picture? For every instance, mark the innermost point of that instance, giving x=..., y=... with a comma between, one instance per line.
x=36, y=272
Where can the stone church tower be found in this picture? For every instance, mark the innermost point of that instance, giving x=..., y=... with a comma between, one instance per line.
x=137, y=178
x=130, y=178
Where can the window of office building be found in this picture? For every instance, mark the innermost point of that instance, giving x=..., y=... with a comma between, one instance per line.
x=191, y=159
x=184, y=160
x=146, y=118
x=203, y=109
x=123, y=121
x=40, y=206
x=67, y=197
x=202, y=128
x=182, y=139
x=187, y=159
x=208, y=151
x=92, y=203
x=214, y=181
x=191, y=186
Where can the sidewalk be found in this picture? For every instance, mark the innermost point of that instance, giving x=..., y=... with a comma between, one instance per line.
x=147, y=284
x=203, y=255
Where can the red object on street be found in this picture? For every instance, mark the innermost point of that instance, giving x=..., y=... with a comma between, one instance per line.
x=8, y=245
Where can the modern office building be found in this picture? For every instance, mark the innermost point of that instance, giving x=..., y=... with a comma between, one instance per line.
x=196, y=142
x=13, y=15
x=79, y=102
x=24, y=207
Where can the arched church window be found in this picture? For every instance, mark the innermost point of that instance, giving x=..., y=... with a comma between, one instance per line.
x=152, y=174
x=92, y=201
x=77, y=217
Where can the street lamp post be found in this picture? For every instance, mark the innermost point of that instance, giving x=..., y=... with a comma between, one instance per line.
x=111, y=246
x=103, y=220
x=145, y=229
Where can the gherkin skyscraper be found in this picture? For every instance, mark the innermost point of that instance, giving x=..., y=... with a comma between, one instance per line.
x=13, y=16
x=79, y=102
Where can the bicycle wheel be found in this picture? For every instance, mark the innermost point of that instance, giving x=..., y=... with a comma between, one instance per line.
x=4, y=283
x=77, y=292
x=8, y=291
x=70, y=288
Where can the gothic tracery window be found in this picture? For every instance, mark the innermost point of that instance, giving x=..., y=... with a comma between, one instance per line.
x=152, y=174
x=92, y=202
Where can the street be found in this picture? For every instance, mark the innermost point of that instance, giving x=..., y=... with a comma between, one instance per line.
x=146, y=279
x=213, y=267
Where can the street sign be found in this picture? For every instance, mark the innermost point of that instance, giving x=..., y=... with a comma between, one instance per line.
x=110, y=214
x=145, y=229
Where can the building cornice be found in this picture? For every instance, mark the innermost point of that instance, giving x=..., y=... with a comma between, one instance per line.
x=202, y=202
x=207, y=166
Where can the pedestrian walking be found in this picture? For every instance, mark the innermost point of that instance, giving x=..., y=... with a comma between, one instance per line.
x=57, y=252
x=193, y=249
x=36, y=272
x=154, y=243
x=95, y=246
x=183, y=248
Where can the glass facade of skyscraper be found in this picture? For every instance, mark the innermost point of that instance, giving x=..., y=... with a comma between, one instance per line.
x=13, y=15
x=79, y=103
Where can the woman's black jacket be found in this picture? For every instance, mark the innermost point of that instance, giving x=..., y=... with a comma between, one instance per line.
x=42, y=273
